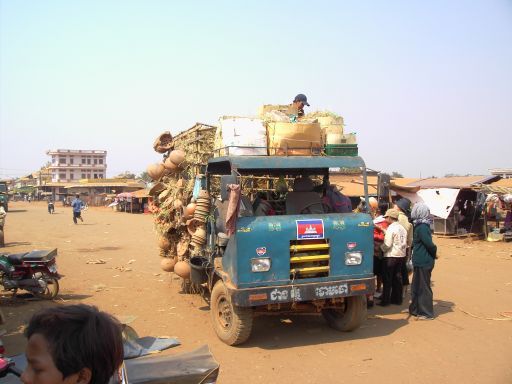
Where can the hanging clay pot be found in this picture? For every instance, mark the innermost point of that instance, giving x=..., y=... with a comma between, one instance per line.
x=182, y=269
x=177, y=157
x=163, y=142
x=177, y=204
x=170, y=166
x=203, y=194
x=193, y=224
x=168, y=263
x=155, y=171
x=189, y=209
x=164, y=243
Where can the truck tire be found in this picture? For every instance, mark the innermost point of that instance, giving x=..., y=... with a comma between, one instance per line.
x=231, y=323
x=350, y=318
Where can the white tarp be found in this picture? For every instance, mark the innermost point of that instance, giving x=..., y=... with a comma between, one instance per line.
x=439, y=200
x=244, y=133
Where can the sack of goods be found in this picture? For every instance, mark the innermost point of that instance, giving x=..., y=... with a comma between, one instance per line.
x=243, y=136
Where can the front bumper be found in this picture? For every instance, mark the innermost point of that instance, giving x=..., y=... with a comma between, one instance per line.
x=250, y=297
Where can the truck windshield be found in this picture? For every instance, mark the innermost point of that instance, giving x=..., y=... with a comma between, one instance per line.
x=3, y=188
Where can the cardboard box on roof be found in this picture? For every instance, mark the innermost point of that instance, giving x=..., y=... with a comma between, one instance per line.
x=332, y=126
x=301, y=138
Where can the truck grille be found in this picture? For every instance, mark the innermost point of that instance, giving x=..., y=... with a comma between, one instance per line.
x=309, y=258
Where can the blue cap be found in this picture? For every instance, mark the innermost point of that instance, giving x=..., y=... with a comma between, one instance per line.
x=302, y=98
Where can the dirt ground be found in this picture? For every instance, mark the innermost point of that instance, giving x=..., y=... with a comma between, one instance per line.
x=468, y=342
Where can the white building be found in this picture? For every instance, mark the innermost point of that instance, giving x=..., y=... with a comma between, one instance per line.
x=505, y=173
x=68, y=165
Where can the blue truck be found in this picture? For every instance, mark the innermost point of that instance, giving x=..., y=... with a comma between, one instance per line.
x=297, y=256
x=4, y=197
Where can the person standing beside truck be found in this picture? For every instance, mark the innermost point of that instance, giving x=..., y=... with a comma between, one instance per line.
x=394, y=248
x=3, y=214
x=77, y=206
x=424, y=253
x=403, y=206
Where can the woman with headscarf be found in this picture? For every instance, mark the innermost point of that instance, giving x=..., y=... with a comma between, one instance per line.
x=424, y=253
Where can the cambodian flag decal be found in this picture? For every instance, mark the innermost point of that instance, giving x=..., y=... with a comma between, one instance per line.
x=310, y=229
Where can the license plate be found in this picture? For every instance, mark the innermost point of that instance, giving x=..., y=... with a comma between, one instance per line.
x=53, y=268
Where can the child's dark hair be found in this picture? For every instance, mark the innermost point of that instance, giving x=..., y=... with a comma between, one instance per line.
x=80, y=336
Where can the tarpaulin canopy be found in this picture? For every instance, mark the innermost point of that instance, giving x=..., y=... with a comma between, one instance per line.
x=439, y=200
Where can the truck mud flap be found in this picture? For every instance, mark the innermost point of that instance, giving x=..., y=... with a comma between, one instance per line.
x=250, y=297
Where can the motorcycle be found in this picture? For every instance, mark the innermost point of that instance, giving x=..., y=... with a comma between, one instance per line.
x=35, y=272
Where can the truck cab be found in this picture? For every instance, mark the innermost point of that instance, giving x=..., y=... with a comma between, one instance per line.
x=4, y=197
x=278, y=246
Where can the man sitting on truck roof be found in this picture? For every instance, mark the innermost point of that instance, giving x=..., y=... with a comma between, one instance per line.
x=297, y=107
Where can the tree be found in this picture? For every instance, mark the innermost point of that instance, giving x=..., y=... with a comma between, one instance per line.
x=126, y=175
x=145, y=176
x=396, y=175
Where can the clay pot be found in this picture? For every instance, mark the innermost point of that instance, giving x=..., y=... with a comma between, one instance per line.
x=155, y=171
x=170, y=166
x=163, y=142
x=190, y=209
x=193, y=225
x=177, y=204
x=156, y=189
x=199, y=236
x=203, y=194
x=177, y=157
x=164, y=243
x=182, y=269
x=168, y=263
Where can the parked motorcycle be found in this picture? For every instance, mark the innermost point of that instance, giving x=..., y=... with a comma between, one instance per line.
x=35, y=272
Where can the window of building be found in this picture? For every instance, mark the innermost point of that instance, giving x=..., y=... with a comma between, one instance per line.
x=83, y=160
x=83, y=175
x=95, y=161
x=101, y=161
x=62, y=176
x=95, y=175
x=62, y=160
x=70, y=160
x=71, y=176
x=88, y=161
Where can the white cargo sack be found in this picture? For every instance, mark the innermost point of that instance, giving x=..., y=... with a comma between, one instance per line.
x=241, y=136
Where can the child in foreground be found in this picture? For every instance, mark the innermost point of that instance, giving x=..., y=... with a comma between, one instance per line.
x=75, y=344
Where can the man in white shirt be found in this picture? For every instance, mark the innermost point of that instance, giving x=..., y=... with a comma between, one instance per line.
x=394, y=248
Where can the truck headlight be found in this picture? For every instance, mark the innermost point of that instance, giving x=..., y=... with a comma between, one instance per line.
x=261, y=264
x=353, y=258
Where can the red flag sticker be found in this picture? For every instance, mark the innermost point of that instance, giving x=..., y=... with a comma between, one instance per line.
x=310, y=229
x=261, y=251
x=351, y=245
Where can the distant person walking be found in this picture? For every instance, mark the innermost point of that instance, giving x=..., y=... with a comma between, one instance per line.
x=77, y=206
x=3, y=214
x=424, y=253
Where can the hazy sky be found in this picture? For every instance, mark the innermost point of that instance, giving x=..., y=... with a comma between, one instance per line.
x=427, y=85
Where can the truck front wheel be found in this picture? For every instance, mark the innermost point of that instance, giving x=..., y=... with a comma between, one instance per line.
x=232, y=324
x=349, y=318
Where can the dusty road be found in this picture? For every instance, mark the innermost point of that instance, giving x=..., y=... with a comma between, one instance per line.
x=464, y=344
